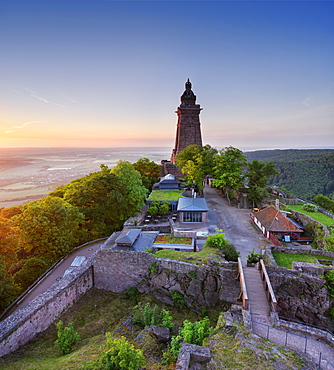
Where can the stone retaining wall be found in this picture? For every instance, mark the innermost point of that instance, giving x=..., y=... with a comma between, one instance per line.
x=200, y=286
x=37, y=315
x=301, y=296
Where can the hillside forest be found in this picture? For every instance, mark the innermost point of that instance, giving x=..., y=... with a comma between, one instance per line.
x=305, y=173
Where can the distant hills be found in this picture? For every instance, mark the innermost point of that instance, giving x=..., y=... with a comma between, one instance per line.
x=304, y=172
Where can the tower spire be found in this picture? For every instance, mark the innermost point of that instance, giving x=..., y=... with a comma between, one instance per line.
x=188, y=130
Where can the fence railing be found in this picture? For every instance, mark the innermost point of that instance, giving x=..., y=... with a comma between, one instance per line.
x=243, y=293
x=298, y=342
x=268, y=287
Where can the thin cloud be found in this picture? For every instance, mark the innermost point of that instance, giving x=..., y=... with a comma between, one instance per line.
x=23, y=125
x=41, y=98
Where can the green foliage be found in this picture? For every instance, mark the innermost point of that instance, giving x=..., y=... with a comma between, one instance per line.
x=119, y=354
x=67, y=337
x=305, y=173
x=329, y=240
x=218, y=241
x=329, y=276
x=164, y=208
x=8, y=290
x=192, y=333
x=132, y=293
x=146, y=315
x=131, y=186
x=152, y=210
x=324, y=202
x=196, y=162
x=149, y=171
x=177, y=298
x=30, y=271
x=253, y=257
x=331, y=313
x=227, y=170
x=49, y=227
x=309, y=207
x=154, y=268
x=257, y=176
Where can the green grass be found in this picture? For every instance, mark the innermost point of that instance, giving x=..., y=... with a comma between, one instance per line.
x=171, y=239
x=318, y=216
x=165, y=195
x=286, y=259
x=198, y=258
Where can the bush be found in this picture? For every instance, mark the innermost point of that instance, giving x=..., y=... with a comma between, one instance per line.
x=329, y=276
x=119, y=354
x=253, y=257
x=217, y=241
x=192, y=333
x=164, y=208
x=132, y=293
x=177, y=298
x=146, y=315
x=309, y=207
x=67, y=337
x=153, y=210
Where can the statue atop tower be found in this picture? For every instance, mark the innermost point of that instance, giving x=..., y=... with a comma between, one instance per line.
x=188, y=130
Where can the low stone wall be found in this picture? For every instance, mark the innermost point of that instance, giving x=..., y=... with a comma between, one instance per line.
x=301, y=250
x=200, y=286
x=37, y=315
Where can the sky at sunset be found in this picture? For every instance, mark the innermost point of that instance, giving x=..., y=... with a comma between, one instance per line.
x=105, y=73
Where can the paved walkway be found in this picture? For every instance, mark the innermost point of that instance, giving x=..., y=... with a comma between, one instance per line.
x=235, y=223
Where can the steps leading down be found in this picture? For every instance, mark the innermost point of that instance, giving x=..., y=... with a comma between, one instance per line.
x=257, y=296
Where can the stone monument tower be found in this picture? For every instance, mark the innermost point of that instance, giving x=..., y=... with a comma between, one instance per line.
x=188, y=129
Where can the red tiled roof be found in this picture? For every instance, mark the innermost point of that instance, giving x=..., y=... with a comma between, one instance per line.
x=273, y=220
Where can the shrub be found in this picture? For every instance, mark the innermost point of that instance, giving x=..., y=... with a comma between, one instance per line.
x=217, y=241
x=132, y=293
x=177, y=298
x=253, y=257
x=153, y=210
x=154, y=268
x=329, y=276
x=146, y=315
x=67, y=337
x=164, y=208
x=192, y=333
x=119, y=354
x=309, y=207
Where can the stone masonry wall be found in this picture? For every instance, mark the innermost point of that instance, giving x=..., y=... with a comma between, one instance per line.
x=37, y=315
x=301, y=296
x=200, y=286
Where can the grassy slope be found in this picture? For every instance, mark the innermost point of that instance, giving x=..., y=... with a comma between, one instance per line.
x=286, y=259
x=318, y=216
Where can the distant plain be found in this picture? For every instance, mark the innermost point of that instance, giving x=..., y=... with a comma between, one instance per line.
x=27, y=174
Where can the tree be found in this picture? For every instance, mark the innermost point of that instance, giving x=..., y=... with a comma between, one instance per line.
x=99, y=197
x=49, y=227
x=9, y=243
x=8, y=290
x=227, y=170
x=30, y=271
x=196, y=162
x=131, y=186
x=149, y=171
x=258, y=174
